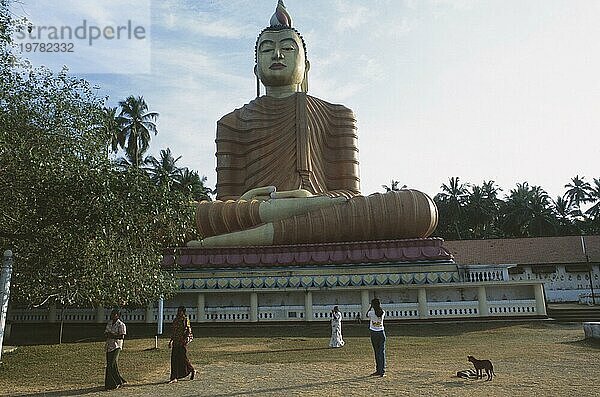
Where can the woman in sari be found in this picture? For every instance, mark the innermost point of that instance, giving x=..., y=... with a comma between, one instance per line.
x=336, y=328
x=181, y=335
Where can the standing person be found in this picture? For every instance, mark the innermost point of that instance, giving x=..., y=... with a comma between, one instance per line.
x=336, y=328
x=114, y=332
x=181, y=335
x=375, y=315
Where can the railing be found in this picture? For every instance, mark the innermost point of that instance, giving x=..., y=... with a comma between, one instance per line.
x=77, y=315
x=483, y=273
x=227, y=314
x=28, y=316
x=396, y=311
x=512, y=307
x=401, y=311
x=349, y=312
x=453, y=309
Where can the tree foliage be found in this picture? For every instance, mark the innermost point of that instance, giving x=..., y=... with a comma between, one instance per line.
x=136, y=125
x=469, y=211
x=83, y=230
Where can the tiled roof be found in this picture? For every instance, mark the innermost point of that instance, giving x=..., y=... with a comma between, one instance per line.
x=538, y=250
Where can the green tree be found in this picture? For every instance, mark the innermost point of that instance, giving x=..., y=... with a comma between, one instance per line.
x=393, y=186
x=164, y=171
x=191, y=183
x=482, y=209
x=112, y=128
x=451, y=202
x=527, y=212
x=578, y=192
x=136, y=125
x=593, y=213
x=82, y=231
x=565, y=216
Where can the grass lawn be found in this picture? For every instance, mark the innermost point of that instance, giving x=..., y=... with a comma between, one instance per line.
x=530, y=359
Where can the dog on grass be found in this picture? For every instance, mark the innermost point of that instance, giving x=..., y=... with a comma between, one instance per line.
x=480, y=366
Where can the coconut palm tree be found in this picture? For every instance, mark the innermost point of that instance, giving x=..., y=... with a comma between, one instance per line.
x=136, y=125
x=594, y=197
x=124, y=163
x=164, y=171
x=393, y=186
x=578, y=192
x=481, y=209
x=564, y=213
x=190, y=182
x=112, y=128
x=543, y=221
x=451, y=203
x=527, y=212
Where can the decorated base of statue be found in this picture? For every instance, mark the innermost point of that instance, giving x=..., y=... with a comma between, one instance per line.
x=415, y=279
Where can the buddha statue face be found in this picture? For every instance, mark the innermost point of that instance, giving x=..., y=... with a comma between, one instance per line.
x=280, y=58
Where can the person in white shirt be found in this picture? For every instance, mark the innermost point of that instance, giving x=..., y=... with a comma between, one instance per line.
x=375, y=315
x=114, y=332
x=336, y=328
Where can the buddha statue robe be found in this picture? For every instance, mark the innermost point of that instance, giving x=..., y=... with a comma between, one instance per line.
x=302, y=142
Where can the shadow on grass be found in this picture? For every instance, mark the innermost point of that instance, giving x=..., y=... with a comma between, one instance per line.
x=277, y=351
x=589, y=343
x=459, y=383
x=79, y=392
x=57, y=393
x=283, y=389
x=27, y=334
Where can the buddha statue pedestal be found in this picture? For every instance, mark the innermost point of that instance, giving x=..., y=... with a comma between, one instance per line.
x=415, y=279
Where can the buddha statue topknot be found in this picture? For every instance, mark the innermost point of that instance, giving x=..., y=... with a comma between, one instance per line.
x=287, y=165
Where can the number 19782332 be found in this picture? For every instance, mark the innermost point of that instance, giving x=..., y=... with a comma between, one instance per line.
x=46, y=47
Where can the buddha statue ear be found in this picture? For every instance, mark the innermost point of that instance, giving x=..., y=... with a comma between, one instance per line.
x=257, y=81
x=304, y=84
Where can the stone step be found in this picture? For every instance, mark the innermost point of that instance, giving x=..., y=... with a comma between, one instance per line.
x=572, y=314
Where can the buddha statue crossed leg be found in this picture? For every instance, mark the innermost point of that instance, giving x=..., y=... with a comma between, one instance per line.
x=287, y=165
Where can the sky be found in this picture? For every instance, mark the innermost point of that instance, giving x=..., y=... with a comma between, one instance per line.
x=503, y=90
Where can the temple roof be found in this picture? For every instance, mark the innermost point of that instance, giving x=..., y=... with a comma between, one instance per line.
x=524, y=251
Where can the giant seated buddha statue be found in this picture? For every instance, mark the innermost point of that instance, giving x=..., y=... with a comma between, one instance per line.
x=287, y=165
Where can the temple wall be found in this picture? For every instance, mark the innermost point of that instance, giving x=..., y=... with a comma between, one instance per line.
x=562, y=283
x=295, y=298
x=398, y=296
x=497, y=293
x=336, y=297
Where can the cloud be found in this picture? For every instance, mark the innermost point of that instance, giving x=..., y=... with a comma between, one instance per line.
x=350, y=16
x=204, y=24
x=187, y=18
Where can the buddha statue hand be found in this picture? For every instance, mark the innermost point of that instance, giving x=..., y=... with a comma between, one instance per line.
x=259, y=193
x=291, y=205
x=270, y=192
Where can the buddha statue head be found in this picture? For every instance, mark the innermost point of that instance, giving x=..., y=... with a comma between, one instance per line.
x=280, y=56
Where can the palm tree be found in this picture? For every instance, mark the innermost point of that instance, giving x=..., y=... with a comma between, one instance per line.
x=124, y=163
x=393, y=186
x=527, y=212
x=578, y=192
x=594, y=197
x=564, y=213
x=164, y=171
x=451, y=202
x=190, y=182
x=112, y=128
x=137, y=124
x=481, y=209
x=543, y=221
